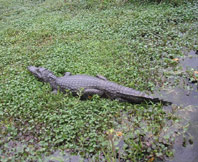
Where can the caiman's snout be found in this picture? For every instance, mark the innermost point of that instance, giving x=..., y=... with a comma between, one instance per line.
x=35, y=71
x=32, y=68
x=39, y=72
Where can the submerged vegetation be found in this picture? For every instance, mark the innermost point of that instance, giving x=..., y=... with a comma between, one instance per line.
x=133, y=44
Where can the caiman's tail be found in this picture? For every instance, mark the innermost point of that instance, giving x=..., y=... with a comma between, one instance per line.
x=134, y=96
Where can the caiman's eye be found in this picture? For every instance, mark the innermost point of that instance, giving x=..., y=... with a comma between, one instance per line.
x=38, y=70
x=38, y=73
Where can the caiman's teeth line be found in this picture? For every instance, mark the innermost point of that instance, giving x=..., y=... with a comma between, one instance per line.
x=88, y=86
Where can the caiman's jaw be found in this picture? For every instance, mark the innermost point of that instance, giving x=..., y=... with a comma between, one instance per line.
x=38, y=72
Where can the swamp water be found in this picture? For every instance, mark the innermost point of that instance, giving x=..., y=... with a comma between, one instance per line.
x=186, y=149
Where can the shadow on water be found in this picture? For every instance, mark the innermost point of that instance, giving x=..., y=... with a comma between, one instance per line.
x=186, y=149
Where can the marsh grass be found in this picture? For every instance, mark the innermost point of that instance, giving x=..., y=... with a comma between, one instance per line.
x=131, y=44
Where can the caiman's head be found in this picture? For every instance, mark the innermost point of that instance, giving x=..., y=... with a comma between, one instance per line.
x=42, y=74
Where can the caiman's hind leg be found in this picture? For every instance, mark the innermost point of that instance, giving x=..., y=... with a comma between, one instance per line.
x=121, y=100
x=88, y=93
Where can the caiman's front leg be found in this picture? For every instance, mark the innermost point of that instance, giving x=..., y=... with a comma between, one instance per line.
x=101, y=77
x=88, y=93
x=67, y=74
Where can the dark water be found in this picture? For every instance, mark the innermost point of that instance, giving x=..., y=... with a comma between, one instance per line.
x=181, y=96
x=188, y=100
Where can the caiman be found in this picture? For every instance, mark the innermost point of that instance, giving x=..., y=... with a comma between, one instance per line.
x=88, y=86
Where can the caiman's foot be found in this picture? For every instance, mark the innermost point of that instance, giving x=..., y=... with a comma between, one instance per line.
x=88, y=93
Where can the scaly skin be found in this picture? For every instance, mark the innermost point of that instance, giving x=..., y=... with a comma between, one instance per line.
x=89, y=86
